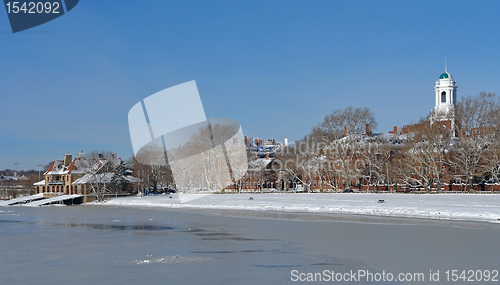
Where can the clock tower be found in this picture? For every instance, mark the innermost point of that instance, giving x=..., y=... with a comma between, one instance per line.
x=446, y=96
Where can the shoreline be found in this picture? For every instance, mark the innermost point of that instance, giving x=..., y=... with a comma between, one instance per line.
x=453, y=207
x=327, y=217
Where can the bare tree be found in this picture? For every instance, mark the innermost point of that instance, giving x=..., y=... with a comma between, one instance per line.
x=153, y=172
x=332, y=127
x=477, y=127
x=98, y=167
x=424, y=156
x=239, y=173
x=491, y=160
x=293, y=162
x=342, y=149
x=345, y=153
x=374, y=161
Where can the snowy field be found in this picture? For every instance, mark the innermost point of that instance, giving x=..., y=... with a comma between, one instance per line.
x=475, y=207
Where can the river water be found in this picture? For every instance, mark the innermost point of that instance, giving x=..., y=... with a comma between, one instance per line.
x=108, y=245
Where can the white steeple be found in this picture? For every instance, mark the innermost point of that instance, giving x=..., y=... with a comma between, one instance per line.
x=446, y=95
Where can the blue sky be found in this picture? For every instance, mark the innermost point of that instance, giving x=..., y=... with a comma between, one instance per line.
x=278, y=67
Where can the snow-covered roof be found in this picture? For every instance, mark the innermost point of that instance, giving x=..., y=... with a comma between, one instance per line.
x=101, y=178
x=39, y=183
x=10, y=178
x=363, y=140
x=258, y=164
x=80, y=165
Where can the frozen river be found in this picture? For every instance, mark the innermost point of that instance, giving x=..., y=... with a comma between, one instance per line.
x=114, y=245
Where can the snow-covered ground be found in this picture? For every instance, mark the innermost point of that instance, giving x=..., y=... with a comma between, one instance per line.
x=476, y=207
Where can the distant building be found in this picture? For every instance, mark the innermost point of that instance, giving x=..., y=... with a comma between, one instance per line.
x=261, y=174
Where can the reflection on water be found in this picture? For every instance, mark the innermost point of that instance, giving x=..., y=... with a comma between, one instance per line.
x=172, y=259
x=235, y=251
x=118, y=227
x=8, y=221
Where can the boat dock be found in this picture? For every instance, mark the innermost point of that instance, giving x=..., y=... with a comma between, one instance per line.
x=63, y=200
x=39, y=200
x=22, y=200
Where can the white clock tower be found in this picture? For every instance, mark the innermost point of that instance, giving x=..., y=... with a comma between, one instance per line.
x=446, y=96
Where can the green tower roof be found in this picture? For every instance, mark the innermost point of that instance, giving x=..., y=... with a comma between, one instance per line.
x=444, y=75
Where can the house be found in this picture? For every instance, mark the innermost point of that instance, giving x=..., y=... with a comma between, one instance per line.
x=79, y=176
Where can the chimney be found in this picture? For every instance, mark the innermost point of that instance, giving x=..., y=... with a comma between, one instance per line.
x=395, y=130
x=368, y=133
x=100, y=155
x=246, y=140
x=256, y=142
x=82, y=155
x=286, y=142
x=260, y=142
x=67, y=159
x=345, y=131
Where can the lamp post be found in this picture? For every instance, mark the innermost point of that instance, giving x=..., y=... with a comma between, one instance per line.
x=39, y=176
x=15, y=163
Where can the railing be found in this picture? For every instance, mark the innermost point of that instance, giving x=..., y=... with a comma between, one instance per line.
x=56, y=182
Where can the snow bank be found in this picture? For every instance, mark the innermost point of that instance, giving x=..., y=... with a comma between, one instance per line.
x=476, y=207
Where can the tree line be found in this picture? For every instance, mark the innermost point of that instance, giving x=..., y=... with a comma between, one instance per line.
x=461, y=148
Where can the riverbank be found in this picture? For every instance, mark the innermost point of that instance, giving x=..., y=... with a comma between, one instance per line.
x=467, y=207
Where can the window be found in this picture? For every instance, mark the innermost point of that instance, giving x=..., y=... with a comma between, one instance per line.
x=443, y=97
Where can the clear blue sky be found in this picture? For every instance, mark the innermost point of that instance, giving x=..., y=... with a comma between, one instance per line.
x=278, y=67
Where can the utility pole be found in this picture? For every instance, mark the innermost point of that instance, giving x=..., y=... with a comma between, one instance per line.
x=15, y=163
x=39, y=165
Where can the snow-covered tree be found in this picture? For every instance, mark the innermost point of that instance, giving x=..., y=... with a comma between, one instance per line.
x=118, y=181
